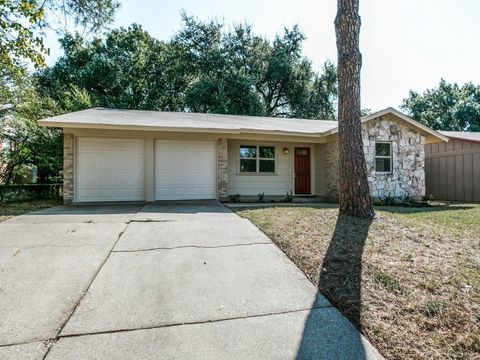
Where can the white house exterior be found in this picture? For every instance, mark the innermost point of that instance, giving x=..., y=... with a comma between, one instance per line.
x=129, y=155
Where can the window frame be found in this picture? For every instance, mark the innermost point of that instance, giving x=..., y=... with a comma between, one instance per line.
x=257, y=159
x=383, y=157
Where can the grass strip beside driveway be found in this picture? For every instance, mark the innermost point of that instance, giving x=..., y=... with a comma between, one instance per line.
x=409, y=280
x=11, y=209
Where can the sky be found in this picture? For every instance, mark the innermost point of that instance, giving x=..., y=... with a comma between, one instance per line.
x=405, y=44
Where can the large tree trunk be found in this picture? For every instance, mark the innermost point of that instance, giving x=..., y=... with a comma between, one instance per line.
x=354, y=193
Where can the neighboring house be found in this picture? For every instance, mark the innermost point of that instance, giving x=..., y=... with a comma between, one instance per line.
x=452, y=169
x=129, y=155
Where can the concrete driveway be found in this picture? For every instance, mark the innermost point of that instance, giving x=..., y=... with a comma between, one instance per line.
x=180, y=280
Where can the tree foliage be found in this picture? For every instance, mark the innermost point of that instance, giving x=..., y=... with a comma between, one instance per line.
x=29, y=144
x=22, y=22
x=22, y=25
x=447, y=107
x=203, y=68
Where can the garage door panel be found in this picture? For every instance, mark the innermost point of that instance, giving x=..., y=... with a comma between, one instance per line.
x=178, y=147
x=199, y=147
x=88, y=194
x=185, y=170
x=163, y=191
x=110, y=169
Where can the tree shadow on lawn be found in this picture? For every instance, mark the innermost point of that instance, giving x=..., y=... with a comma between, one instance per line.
x=326, y=334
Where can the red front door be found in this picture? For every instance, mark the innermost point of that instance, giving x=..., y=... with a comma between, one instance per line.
x=302, y=170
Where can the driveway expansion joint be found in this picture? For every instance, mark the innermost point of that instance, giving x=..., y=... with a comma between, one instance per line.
x=148, y=221
x=152, y=327
x=192, y=246
x=51, y=342
x=26, y=342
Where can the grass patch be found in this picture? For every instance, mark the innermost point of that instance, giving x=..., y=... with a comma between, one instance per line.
x=409, y=280
x=434, y=308
x=11, y=209
x=387, y=281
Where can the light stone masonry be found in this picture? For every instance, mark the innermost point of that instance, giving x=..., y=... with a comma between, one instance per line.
x=407, y=177
x=222, y=168
x=68, y=158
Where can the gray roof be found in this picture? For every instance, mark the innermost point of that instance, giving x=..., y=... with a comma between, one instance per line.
x=101, y=118
x=158, y=120
x=462, y=135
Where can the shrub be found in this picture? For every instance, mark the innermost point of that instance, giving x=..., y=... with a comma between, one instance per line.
x=388, y=200
x=235, y=198
x=407, y=201
x=288, y=196
x=260, y=196
x=427, y=198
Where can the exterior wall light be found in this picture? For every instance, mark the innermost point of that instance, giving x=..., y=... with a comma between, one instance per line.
x=285, y=150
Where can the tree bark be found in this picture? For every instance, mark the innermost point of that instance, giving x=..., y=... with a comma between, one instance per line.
x=354, y=192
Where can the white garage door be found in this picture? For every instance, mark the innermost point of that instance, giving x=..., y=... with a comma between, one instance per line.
x=185, y=170
x=110, y=169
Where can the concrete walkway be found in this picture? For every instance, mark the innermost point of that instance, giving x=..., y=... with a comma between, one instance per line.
x=180, y=280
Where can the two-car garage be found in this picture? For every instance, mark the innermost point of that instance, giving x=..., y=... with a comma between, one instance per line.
x=113, y=169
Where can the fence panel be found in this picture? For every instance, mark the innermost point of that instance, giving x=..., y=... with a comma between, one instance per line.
x=452, y=171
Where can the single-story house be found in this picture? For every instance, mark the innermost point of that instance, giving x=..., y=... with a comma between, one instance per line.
x=130, y=155
x=452, y=170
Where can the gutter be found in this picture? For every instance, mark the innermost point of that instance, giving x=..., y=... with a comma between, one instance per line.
x=100, y=126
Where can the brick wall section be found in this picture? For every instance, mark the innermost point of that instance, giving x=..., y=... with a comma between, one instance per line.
x=68, y=146
x=222, y=168
x=331, y=170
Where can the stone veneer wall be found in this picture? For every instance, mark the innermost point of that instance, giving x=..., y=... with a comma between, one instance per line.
x=408, y=160
x=68, y=146
x=222, y=168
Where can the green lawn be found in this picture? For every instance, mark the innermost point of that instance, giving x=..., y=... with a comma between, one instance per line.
x=10, y=209
x=409, y=280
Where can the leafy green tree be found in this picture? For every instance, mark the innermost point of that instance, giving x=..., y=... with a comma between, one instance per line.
x=238, y=72
x=22, y=22
x=203, y=68
x=129, y=70
x=29, y=144
x=447, y=107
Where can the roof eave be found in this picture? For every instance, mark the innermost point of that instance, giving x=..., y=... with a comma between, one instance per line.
x=462, y=139
x=99, y=126
x=403, y=117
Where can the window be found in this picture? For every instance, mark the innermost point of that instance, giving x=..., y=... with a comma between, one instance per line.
x=383, y=157
x=257, y=159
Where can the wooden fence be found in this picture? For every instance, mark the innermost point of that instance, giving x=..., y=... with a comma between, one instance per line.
x=452, y=170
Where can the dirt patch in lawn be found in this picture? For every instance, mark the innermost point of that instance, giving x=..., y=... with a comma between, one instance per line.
x=409, y=280
x=11, y=209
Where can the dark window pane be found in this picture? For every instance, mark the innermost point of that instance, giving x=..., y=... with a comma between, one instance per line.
x=267, y=152
x=248, y=165
x=382, y=149
x=267, y=166
x=382, y=165
x=248, y=151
